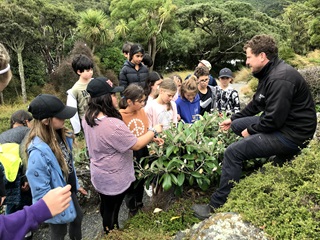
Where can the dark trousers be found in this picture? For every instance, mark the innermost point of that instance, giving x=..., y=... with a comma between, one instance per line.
x=134, y=196
x=253, y=146
x=109, y=210
x=59, y=231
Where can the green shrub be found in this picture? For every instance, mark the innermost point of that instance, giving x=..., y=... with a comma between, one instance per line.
x=312, y=76
x=284, y=202
x=190, y=155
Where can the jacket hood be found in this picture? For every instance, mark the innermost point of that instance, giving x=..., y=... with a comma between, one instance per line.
x=195, y=100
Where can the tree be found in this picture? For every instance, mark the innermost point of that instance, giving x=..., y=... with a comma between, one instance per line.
x=144, y=20
x=221, y=30
x=95, y=28
x=58, y=24
x=17, y=29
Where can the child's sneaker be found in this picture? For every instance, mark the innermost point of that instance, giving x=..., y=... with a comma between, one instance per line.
x=148, y=191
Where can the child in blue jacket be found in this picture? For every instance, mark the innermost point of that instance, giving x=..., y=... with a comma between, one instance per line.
x=188, y=103
x=50, y=162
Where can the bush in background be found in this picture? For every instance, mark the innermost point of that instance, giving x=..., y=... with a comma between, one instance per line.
x=312, y=76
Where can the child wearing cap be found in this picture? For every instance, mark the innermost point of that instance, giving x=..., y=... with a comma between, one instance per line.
x=227, y=97
x=111, y=144
x=77, y=95
x=50, y=162
x=53, y=203
x=133, y=71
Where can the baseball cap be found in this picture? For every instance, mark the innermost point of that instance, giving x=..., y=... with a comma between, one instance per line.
x=225, y=72
x=100, y=86
x=206, y=63
x=46, y=106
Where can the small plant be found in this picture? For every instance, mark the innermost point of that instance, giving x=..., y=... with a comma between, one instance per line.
x=191, y=154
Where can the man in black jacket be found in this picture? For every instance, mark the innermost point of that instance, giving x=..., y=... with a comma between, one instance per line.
x=288, y=120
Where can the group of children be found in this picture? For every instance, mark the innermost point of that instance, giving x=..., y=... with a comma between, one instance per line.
x=148, y=104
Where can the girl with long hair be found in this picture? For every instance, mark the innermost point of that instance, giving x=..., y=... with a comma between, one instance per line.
x=50, y=161
x=111, y=144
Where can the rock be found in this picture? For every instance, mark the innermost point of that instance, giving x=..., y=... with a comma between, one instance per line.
x=222, y=226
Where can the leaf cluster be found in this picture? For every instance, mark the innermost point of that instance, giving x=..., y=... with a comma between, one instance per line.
x=191, y=154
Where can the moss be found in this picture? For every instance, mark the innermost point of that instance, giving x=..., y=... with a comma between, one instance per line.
x=283, y=201
x=162, y=225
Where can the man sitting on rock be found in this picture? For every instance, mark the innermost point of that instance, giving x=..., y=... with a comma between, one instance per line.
x=287, y=122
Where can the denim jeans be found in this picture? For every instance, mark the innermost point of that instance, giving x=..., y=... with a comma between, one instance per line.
x=253, y=146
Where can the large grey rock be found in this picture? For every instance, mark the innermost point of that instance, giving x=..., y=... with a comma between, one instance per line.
x=222, y=226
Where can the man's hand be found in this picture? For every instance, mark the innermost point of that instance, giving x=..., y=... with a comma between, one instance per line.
x=245, y=133
x=58, y=199
x=225, y=125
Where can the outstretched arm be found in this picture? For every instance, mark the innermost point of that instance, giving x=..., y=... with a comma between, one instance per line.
x=54, y=202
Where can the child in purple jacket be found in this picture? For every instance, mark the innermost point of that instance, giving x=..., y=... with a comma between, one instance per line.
x=54, y=202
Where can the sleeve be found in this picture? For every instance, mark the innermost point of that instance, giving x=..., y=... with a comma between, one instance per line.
x=38, y=174
x=235, y=101
x=250, y=110
x=175, y=112
x=122, y=138
x=177, y=106
x=75, y=120
x=123, y=78
x=278, y=104
x=27, y=219
x=148, y=111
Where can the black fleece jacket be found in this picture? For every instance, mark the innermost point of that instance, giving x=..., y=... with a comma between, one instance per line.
x=285, y=101
x=129, y=74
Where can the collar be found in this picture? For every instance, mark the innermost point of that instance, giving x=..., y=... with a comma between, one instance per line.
x=265, y=70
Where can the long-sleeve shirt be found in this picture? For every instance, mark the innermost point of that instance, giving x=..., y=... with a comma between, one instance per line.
x=15, y=226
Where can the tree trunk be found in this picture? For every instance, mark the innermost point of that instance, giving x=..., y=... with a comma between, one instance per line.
x=21, y=74
x=1, y=98
x=153, y=51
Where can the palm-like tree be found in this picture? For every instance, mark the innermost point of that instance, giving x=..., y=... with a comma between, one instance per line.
x=94, y=27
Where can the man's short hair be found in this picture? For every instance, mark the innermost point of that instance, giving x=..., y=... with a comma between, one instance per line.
x=262, y=43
